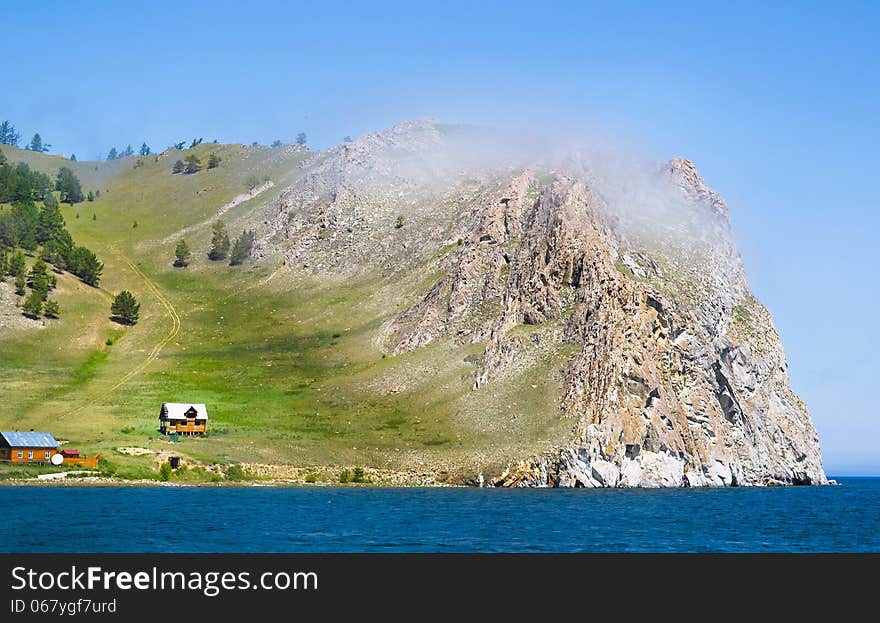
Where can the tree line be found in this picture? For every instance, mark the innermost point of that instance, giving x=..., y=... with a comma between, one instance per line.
x=42, y=228
x=220, y=247
x=192, y=164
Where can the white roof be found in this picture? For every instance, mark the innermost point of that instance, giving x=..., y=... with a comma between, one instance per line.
x=177, y=410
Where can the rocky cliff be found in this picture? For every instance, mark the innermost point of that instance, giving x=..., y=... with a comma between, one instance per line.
x=627, y=277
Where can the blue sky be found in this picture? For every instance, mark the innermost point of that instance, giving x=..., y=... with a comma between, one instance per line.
x=777, y=105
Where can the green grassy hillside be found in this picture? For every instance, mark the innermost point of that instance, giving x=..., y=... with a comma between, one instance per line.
x=290, y=367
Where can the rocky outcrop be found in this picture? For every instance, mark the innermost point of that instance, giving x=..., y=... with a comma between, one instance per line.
x=674, y=374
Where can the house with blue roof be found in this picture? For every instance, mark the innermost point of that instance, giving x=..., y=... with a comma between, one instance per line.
x=29, y=447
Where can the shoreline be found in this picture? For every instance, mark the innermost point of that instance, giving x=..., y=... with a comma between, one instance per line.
x=290, y=483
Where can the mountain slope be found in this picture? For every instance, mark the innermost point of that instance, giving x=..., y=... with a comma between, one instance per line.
x=431, y=300
x=624, y=282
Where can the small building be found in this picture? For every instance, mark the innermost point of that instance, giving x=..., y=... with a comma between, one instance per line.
x=183, y=418
x=30, y=447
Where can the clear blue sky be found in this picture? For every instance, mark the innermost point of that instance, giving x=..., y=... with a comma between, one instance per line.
x=778, y=107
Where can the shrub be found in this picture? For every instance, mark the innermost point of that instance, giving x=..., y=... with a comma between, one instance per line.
x=345, y=476
x=235, y=472
x=164, y=472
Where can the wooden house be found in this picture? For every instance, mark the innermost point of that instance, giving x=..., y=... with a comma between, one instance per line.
x=30, y=447
x=183, y=418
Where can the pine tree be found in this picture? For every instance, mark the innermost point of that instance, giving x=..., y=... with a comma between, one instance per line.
x=128, y=151
x=113, y=155
x=85, y=265
x=20, y=283
x=33, y=304
x=17, y=264
x=193, y=165
x=39, y=278
x=51, y=309
x=36, y=144
x=8, y=135
x=276, y=143
x=145, y=150
x=94, y=217
x=301, y=138
x=214, y=161
x=68, y=185
x=89, y=197
x=242, y=248
x=219, y=242
x=181, y=255
x=125, y=308
x=50, y=226
x=73, y=157
x=178, y=167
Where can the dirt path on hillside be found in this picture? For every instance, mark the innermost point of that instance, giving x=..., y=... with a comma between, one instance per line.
x=237, y=200
x=154, y=353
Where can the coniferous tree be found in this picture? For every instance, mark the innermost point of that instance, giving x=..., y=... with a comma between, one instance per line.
x=128, y=151
x=242, y=248
x=33, y=305
x=125, y=308
x=90, y=197
x=219, y=242
x=276, y=143
x=50, y=226
x=39, y=278
x=179, y=145
x=51, y=309
x=2, y=158
x=85, y=265
x=195, y=141
x=20, y=284
x=181, y=255
x=68, y=185
x=36, y=144
x=178, y=167
x=145, y=150
x=301, y=138
x=113, y=155
x=193, y=165
x=73, y=157
x=17, y=264
x=214, y=161
x=8, y=135
x=4, y=264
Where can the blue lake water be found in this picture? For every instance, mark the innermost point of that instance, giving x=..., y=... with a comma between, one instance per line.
x=314, y=519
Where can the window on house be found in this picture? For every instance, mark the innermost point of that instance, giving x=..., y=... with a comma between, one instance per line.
x=47, y=454
x=30, y=454
x=20, y=454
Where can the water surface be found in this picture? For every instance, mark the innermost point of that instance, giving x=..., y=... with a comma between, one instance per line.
x=317, y=519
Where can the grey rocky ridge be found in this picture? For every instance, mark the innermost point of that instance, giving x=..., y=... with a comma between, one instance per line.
x=624, y=277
